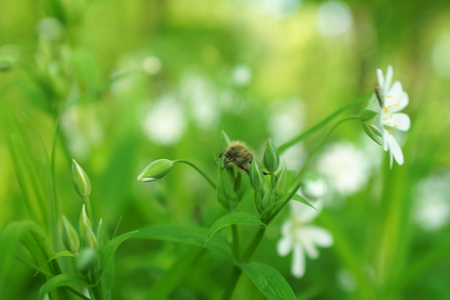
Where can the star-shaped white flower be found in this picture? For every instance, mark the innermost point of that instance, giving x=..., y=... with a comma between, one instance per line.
x=392, y=100
x=302, y=238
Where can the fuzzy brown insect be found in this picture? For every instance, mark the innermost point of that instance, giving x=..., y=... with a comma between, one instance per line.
x=238, y=154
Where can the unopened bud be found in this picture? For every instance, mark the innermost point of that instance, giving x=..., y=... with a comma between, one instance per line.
x=271, y=157
x=80, y=180
x=71, y=239
x=87, y=235
x=226, y=195
x=256, y=176
x=156, y=170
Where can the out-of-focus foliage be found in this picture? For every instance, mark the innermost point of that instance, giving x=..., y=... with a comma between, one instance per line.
x=119, y=84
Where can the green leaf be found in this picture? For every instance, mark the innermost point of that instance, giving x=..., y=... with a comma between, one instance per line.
x=185, y=234
x=233, y=218
x=269, y=281
x=60, y=281
x=110, y=248
x=299, y=198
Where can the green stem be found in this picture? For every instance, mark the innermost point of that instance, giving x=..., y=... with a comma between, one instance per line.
x=247, y=255
x=87, y=201
x=197, y=169
x=316, y=150
x=300, y=172
x=320, y=125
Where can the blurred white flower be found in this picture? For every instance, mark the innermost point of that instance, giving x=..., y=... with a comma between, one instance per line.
x=345, y=167
x=201, y=99
x=432, y=202
x=314, y=186
x=286, y=119
x=334, y=18
x=302, y=238
x=393, y=99
x=151, y=65
x=165, y=123
x=242, y=75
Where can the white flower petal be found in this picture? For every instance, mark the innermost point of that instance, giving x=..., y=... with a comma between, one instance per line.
x=380, y=79
x=385, y=140
x=399, y=121
x=284, y=246
x=396, y=99
x=395, y=149
x=298, y=261
x=303, y=213
x=387, y=83
x=307, y=241
x=321, y=236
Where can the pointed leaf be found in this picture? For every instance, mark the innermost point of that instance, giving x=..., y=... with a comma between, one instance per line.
x=185, y=234
x=233, y=218
x=60, y=281
x=269, y=281
x=110, y=248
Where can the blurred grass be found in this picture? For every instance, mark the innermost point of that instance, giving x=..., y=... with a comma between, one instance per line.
x=67, y=81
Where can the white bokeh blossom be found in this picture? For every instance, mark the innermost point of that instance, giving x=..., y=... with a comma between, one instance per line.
x=392, y=100
x=301, y=238
x=346, y=168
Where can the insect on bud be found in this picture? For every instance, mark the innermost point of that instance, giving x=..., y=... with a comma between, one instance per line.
x=271, y=157
x=80, y=180
x=314, y=186
x=256, y=176
x=156, y=170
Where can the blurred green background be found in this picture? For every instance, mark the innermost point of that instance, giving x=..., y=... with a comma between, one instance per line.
x=129, y=82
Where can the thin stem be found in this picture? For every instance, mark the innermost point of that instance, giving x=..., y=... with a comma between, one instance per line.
x=197, y=169
x=87, y=201
x=300, y=172
x=320, y=125
x=247, y=255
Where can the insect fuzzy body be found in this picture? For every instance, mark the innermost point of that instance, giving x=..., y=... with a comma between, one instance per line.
x=238, y=154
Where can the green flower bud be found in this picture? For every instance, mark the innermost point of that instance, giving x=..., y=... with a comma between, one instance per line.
x=368, y=114
x=71, y=239
x=256, y=176
x=5, y=64
x=87, y=236
x=280, y=187
x=80, y=180
x=87, y=260
x=226, y=194
x=373, y=132
x=156, y=170
x=313, y=186
x=271, y=157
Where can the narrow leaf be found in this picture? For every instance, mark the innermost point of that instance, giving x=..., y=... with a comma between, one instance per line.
x=110, y=248
x=185, y=234
x=60, y=281
x=233, y=218
x=269, y=281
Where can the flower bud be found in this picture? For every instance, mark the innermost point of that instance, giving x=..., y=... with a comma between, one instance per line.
x=313, y=186
x=80, y=180
x=87, y=236
x=226, y=194
x=271, y=157
x=256, y=176
x=282, y=179
x=86, y=260
x=156, y=170
x=71, y=239
x=367, y=114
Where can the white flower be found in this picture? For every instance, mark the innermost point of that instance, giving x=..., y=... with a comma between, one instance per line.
x=345, y=167
x=302, y=238
x=393, y=99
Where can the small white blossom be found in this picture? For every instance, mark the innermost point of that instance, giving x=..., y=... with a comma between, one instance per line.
x=393, y=99
x=345, y=167
x=300, y=237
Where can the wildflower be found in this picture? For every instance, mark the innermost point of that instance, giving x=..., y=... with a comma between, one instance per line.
x=300, y=237
x=346, y=168
x=392, y=100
